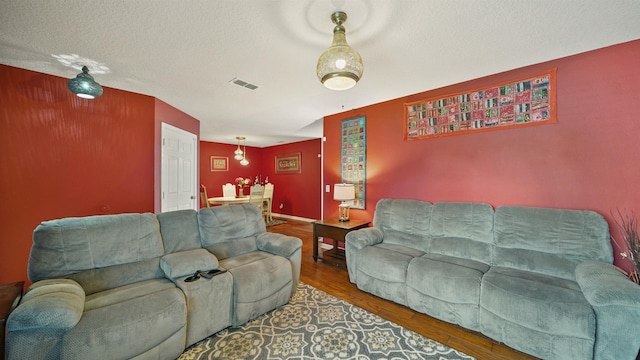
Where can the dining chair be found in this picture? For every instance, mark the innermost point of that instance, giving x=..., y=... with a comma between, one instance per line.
x=204, y=199
x=229, y=190
x=256, y=195
x=267, y=201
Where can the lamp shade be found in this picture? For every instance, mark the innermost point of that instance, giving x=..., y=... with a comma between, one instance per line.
x=344, y=192
x=84, y=86
x=340, y=66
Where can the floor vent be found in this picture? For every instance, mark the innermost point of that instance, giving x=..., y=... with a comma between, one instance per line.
x=243, y=84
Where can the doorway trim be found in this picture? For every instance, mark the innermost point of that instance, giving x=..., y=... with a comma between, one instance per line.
x=196, y=164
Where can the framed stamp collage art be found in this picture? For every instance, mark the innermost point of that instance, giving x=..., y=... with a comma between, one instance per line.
x=353, y=157
x=519, y=102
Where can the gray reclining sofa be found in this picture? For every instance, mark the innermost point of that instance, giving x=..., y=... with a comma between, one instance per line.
x=539, y=280
x=113, y=286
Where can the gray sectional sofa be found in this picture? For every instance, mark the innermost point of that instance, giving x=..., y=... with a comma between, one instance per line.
x=113, y=286
x=539, y=280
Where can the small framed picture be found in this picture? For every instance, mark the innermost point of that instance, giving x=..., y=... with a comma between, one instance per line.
x=219, y=163
x=288, y=163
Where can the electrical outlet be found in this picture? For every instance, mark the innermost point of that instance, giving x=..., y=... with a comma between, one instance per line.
x=328, y=188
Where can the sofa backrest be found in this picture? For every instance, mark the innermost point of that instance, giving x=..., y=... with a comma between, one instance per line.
x=99, y=252
x=404, y=222
x=549, y=241
x=179, y=230
x=463, y=230
x=229, y=231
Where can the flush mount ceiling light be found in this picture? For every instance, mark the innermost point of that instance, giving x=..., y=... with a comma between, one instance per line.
x=84, y=86
x=340, y=66
x=238, y=154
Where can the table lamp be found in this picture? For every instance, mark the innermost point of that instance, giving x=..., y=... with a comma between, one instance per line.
x=343, y=193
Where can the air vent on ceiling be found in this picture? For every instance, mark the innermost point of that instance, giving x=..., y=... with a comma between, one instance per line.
x=243, y=84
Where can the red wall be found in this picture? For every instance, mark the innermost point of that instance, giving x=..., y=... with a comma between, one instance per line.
x=299, y=194
x=66, y=156
x=214, y=180
x=165, y=113
x=589, y=160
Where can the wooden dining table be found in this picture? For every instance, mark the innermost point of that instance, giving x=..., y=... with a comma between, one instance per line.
x=228, y=200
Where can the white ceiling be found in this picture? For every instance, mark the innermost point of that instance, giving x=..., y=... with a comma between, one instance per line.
x=186, y=52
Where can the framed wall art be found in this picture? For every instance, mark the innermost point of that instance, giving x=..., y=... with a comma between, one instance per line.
x=289, y=163
x=219, y=163
x=520, y=102
x=353, y=157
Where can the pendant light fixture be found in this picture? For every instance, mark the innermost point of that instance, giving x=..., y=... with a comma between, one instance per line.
x=244, y=161
x=84, y=86
x=340, y=66
x=238, y=154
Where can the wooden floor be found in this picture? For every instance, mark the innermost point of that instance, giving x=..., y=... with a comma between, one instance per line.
x=335, y=281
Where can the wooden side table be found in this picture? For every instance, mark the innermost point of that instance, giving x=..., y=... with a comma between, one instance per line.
x=10, y=295
x=335, y=230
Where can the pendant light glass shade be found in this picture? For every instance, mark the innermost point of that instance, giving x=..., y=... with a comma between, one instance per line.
x=340, y=66
x=84, y=86
x=244, y=161
x=238, y=154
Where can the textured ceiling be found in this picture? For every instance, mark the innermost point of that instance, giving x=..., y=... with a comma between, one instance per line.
x=186, y=52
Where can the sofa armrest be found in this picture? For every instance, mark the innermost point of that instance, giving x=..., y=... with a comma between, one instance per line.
x=187, y=262
x=358, y=239
x=54, y=305
x=354, y=242
x=616, y=302
x=278, y=244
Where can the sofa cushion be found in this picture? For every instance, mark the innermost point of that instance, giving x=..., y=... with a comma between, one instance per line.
x=447, y=288
x=187, y=262
x=464, y=220
x=549, y=241
x=179, y=230
x=67, y=246
x=462, y=230
x=261, y=282
x=387, y=262
x=257, y=279
x=244, y=259
x=229, y=231
x=404, y=222
x=97, y=280
x=126, y=322
x=540, y=302
x=456, y=281
x=127, y=292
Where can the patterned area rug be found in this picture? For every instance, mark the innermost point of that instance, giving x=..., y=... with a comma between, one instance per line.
x=316, y=325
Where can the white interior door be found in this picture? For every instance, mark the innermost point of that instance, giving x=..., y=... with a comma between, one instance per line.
x=178, y=178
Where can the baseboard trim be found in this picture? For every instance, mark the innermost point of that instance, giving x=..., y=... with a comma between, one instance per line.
x=284, y=216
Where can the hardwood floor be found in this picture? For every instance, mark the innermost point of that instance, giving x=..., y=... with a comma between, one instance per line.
x=335, y=281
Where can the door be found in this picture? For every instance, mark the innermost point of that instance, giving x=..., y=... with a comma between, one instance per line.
x=178, y=178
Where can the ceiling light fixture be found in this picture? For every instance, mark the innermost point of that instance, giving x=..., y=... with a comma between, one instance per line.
x=244, y=161
x=340, y=66
x=238, y=154
x=84, y=86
